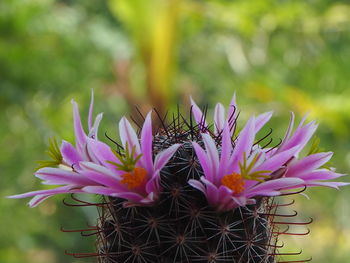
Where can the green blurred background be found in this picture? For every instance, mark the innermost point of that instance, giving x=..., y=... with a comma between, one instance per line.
x=281, y=55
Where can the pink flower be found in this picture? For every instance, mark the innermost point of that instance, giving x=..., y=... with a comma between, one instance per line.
x=220, y=118
x=239, y=174
x=235, y=176
x=92, y=167
x=136, y=177
x=308, y=168
x=236, y=173
x=66, y=174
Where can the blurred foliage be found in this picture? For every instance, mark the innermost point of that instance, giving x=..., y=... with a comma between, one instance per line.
x=276, y=54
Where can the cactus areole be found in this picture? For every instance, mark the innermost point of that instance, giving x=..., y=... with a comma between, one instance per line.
x=188, y=191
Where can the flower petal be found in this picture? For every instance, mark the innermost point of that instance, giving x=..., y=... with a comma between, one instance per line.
x=289, y=130
x=322, y=174
x=244, y=143
x=54, y=176
x=301, y=137
x=212, y=192
x=225, y=198
x=213, y=156
x=226, y=149
x=70, y=154
x=153, y=184
x=128, y=136
x=91, y=110
x=219, y=118
x=273, y=185
x=335, y=185
x=102, y=153
x=164, y=156
x=203, y=160
x=261, y=120
x=146, y=143
x=130, y=196
x=80, y=136
x=240, y=200
x=308, y=164
x=104, y=179
x=276, y=161
x=93, y=131
x=151, y=198
x=89, y=166
x=197, y=185
x=101, y=190
x=38, y=199
x=58, y=190
x=198, y=115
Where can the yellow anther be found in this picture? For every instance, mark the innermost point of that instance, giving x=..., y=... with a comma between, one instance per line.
x=234, y=181
x=134, y=178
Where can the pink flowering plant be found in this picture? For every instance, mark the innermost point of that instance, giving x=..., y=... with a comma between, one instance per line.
x=93, y=167
x=200, y=192
x=234, y=176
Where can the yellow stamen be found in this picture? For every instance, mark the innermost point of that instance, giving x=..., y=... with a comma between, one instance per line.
x=234, y=181
x=134, y=178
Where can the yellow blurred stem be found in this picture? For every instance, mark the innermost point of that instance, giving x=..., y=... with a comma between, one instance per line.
x=154, y=27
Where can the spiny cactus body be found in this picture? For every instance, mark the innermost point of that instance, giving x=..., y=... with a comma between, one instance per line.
x=187, y=191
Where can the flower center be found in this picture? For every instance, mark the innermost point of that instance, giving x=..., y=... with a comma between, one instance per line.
x=234, y=181
x=134, y=178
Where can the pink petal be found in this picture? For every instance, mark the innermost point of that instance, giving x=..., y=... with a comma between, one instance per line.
x=289, y=131
x=203, y=160
x=197, y=185
x=151, y=198
x=240, y=200
x=226, y=148
x=322, y=174
x=105, y=180
x=94, y=129
x=273, y=185
x=89, y=166
x=213, y=156
x=101, y=190
x=130, y=196
x=268, y=193
x=102, y=153
x=244, y=143
x=225, y=198
x=275, y=162
x=38, y=199
x=308, y=164
x=70, y=154
x=164, y=156
x=58, y=176
x=128, y=135
x=212, y=191
x=80, y=136
x=198, y=115
x=335, y=185
x=261, y=120
x=219, y=118
x=91, y=109
x=153, y=184
x=58, y=190
x=301, y=137
x=146, y=143
x=89, y=155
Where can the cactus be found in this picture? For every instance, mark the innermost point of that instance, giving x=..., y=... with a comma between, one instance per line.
x=182, y=226
x=190, y=192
